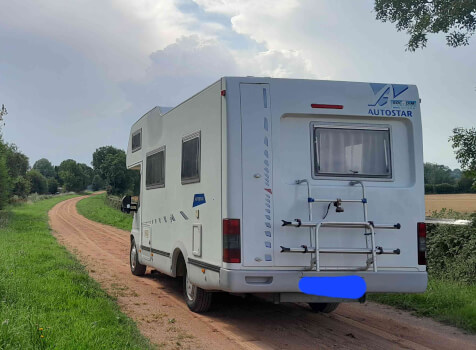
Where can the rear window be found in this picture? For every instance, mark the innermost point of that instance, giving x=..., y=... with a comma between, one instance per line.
x=155, y=169
x=352, y=151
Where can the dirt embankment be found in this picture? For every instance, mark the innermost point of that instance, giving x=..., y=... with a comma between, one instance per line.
x=155, y=303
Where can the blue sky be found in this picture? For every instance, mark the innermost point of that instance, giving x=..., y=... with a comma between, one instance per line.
x=75, y=75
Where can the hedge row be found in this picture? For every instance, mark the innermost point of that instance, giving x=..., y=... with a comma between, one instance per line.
x=447, y=188
x=451, y=252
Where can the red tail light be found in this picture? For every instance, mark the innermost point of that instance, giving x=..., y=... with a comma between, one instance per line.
x=326, y=106
x=231, y=241
x=421, y=228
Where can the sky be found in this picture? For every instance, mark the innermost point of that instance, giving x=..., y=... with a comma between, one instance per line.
x=75, y=75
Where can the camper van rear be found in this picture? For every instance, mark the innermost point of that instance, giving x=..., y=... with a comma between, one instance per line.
x=297, y=190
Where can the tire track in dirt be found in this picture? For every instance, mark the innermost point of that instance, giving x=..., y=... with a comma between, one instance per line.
x=155, y=303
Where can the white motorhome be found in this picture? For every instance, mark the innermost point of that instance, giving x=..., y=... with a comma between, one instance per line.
x=254, y=184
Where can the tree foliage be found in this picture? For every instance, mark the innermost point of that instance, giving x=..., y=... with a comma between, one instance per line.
x=37, y=181
x=4, y=176
x=464, y=144
x=110, y=164
x=17, y=162
x=21, y=187
x=52, y=185
x=98, y=183
x=72, y=175
x=455, y=18
x=45, y=167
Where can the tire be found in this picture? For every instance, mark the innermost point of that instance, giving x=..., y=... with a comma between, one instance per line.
x=198, y=300
x=323, y=307
x=137, y=268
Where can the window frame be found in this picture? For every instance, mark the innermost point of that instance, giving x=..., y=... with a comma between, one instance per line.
x=350, y=126
x=189, y=137
x=151, y=153
x=139, y=131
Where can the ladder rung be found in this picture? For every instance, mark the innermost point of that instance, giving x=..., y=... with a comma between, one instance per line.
x=378, y=250
x=341, y=224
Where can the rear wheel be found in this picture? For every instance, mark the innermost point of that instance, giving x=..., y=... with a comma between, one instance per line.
x=137, y=268
x=323, y=307
x=198, y=300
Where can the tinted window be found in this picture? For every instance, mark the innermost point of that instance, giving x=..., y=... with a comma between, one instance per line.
x=136, y=140
x=155, y=170
x=191, y=159
x=359, y=152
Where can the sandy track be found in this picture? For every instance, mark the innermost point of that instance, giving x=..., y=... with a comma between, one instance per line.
x=155, y=303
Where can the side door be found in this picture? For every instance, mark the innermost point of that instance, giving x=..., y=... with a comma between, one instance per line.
x=257, y=225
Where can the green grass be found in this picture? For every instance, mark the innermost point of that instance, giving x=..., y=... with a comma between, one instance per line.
x=47, y=299
x=445, y=301
x=94, y=208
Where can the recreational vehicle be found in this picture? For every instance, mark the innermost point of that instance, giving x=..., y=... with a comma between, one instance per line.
x=293, y=190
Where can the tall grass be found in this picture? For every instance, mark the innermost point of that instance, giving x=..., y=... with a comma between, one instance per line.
x=47, y=299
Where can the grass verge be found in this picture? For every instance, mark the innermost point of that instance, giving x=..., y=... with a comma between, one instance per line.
x=47, y=299
x=94, y=208
x=445, y=301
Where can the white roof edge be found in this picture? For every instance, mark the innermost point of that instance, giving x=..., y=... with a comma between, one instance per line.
x=163, y=110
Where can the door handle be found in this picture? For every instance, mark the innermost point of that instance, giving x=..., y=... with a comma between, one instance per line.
x=257, y=176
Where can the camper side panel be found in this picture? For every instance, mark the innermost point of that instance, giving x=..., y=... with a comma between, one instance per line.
x=185, y=214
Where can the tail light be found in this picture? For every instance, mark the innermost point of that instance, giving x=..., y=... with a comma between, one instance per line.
x=231, y=241
x=421, y=228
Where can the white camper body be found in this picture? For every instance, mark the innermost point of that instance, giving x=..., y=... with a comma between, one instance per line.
x=262, y=150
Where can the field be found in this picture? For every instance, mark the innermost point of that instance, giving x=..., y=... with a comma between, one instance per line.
x=47, y=299
x=463, y=203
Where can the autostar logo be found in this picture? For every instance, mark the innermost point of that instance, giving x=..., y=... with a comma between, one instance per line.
x=385, y=93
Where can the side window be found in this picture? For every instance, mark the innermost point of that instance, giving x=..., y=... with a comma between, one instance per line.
x=191, y=158
x=136, y=140
x=155, y=169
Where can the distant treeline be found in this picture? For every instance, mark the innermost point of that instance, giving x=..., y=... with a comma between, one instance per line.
x=18, y=179
x=441, y=179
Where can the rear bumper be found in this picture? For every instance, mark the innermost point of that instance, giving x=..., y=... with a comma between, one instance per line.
x=253, y=281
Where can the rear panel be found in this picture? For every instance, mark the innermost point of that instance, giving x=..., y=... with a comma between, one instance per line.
x=290, y=155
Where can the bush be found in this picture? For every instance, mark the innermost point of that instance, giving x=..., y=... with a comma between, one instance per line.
x=451, y=252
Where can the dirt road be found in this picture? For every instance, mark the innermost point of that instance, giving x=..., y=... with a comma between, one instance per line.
x=155, y=303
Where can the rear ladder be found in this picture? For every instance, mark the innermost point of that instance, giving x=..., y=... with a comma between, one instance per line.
x=315, y=226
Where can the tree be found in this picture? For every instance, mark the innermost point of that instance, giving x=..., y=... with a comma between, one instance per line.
x=44, y=166
x=455, y=18
x=98, y=183
x=118, y=178
x=435, y=174
x=88, y=174
x=72, y=175
x=464, y=144
x=52, y=185
x=37, y=181
x=4, y=176
x=17, y=162
x=110, y=163
x=21, y=187
x=3, y=112
x=99, y=156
